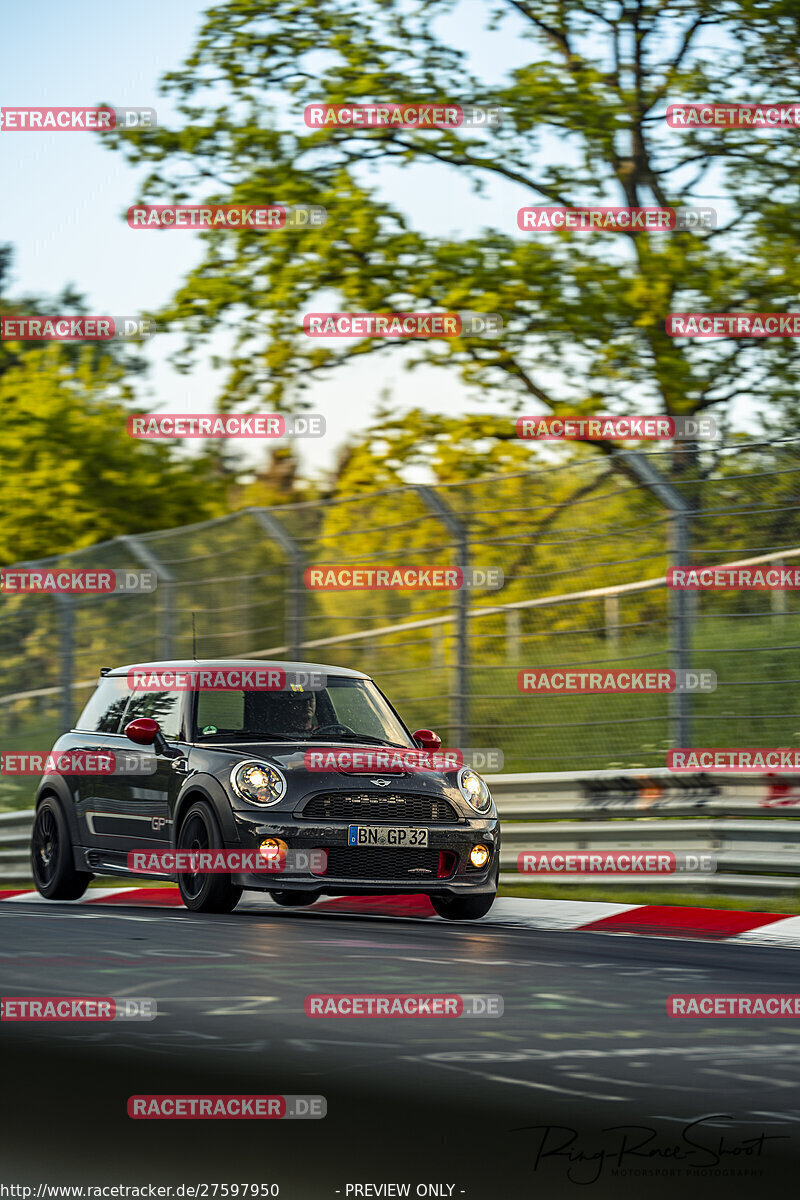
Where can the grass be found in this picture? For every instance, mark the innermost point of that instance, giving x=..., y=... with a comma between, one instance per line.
x=100, y=881
x=757, y=701
x=788, y=904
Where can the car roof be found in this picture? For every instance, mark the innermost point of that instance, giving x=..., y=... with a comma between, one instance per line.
x=195, y=664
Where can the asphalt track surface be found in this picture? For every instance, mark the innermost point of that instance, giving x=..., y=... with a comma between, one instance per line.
x=585, y=1047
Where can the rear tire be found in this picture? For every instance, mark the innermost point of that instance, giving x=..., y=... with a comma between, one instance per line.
x=294, y=899
x=52, y=863
x=463, y=908
x=204, y=893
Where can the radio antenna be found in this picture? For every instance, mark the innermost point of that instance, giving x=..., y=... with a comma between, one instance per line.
x=194, y=637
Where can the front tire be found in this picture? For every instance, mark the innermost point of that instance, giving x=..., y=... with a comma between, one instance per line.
x=204, y=893
x=52, y=863
x=463, y=908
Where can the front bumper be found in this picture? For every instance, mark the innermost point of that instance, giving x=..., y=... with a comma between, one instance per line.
x=393, y=871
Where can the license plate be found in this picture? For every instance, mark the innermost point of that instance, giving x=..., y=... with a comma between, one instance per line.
x=383, y=835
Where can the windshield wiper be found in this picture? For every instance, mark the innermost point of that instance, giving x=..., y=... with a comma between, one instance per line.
x=364, y=737
x=241, y=735
x=298, y=735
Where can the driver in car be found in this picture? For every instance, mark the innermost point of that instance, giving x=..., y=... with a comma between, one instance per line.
x=297, y=711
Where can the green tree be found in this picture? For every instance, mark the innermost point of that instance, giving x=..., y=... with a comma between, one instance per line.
x=583, y=313
x=69, y=473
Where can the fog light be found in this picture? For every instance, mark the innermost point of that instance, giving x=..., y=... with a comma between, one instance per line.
x=273, y=850
x=479, y=856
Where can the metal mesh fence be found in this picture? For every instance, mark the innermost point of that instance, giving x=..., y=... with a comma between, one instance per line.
x=583, y=547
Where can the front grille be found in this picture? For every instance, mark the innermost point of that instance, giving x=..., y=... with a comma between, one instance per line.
x=368, y=806
x=367, y=863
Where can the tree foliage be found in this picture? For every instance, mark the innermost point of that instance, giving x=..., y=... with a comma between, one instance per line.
x=585, y=123
x=70, y=475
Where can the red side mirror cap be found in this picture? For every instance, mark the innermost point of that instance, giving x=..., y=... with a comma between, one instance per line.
x=426, y=739
x=143, y=731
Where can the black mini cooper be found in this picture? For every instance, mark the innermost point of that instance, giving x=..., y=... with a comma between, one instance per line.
x=263, y=771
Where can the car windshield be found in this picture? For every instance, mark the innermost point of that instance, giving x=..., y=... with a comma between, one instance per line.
x=345, y=710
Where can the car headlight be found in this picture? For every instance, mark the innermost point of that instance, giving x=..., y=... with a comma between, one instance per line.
x=258, y=783
x=475, y=790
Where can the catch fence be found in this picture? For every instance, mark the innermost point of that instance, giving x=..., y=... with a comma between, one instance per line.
x=583, y=546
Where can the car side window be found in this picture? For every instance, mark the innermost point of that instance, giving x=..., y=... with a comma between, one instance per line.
x=104, y=711
x=164, y=707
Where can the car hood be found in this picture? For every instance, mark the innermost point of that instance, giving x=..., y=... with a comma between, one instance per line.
x=350, y=758
x=290, y=757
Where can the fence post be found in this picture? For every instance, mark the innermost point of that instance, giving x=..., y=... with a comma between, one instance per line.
x=611, y=620
x=66, y=619
x=460, y=532
x=680, y=613
x=777, y=597
x=165, y=588
x=513, y=636
x=678, y=599
x=295, y=592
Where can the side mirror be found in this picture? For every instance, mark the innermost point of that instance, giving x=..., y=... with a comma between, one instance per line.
x=143, y=731
x=147, y=732
x=426, y=739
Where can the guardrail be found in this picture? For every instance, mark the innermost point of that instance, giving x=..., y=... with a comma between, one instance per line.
x=623, y=810
x=593, y=795
x=15, y=840
x=613, y=810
